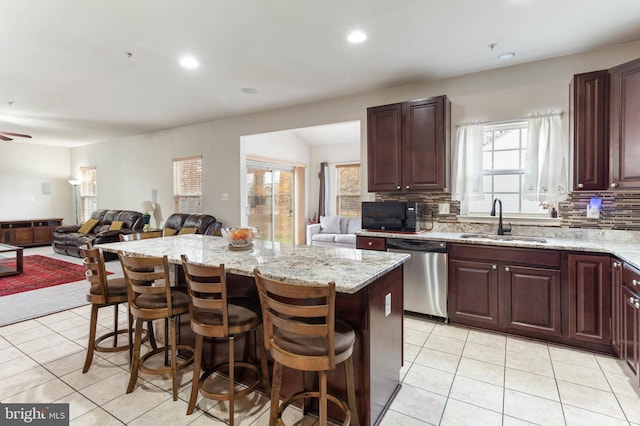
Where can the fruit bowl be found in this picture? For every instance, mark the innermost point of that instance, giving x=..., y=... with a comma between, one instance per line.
x=239, y=237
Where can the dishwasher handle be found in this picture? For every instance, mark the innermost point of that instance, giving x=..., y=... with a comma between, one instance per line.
x=417, y=245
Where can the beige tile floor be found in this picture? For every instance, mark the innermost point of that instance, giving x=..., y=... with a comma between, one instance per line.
x=452, y=376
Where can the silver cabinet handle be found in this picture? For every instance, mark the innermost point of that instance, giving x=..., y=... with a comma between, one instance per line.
x=407, y=187
x=370, y=243
x=506, y=268
x=616, y=264
x=580, y=186
x=398, y=187
x=442, y=244
x=631, y=300
x=634, y=282
x=494, y=267
x=637, y=305
x=614, y=185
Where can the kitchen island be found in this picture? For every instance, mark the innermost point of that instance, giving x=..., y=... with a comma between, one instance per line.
x=369, y=297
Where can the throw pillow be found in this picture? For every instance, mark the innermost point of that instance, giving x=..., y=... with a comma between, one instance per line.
x=116, y=225
x=187, y=231
x=169, y=232
x=330, y=224
x=88, y=226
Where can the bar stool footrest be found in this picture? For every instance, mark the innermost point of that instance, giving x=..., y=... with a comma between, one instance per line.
x=225, y=367
x=165, y=369
x=315, y=394
x=97, y=347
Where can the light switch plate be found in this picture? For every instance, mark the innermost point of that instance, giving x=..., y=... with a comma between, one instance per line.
x=387, y=305
x=593, y=213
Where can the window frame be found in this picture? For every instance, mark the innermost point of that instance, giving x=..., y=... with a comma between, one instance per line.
x=192, y=199
x=520, y=172
x=88, y=192
x=337, y=194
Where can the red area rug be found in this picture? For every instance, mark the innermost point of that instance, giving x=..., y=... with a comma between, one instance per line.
x=40, y=272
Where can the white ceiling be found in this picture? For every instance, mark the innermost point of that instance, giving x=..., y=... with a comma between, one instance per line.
x=65, y=69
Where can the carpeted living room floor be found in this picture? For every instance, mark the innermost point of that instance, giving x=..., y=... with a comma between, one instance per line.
x=31, y=304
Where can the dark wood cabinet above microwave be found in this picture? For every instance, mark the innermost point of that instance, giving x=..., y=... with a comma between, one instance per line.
x=607, y=129
x=406, y=145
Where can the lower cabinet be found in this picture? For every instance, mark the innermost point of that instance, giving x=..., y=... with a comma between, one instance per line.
x=589, y=278
x=518, y=292
x=629, y=343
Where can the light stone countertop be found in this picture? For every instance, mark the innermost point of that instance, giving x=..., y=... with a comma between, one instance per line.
x=621, y=244
x=350, y=269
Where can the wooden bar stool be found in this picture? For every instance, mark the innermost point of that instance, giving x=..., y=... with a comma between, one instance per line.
x=151, y=297
x=301, y=332
x=103, y=292
x=213, y=315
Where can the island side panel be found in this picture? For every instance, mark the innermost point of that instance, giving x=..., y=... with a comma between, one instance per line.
x=378, y=356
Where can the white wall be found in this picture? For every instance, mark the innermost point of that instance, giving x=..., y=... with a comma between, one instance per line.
x=24, y=168
x=128, y=169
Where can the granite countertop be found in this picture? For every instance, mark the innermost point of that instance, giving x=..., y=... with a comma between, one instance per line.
x=350, y=269
x=626, y=249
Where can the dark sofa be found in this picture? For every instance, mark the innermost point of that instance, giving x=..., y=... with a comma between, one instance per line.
x=203, y=223
x=67, y=239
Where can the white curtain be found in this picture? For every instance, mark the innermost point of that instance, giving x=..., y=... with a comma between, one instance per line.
x=545, y=177
x=467, y=162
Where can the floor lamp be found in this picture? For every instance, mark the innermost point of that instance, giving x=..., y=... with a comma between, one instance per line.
x=75, y=184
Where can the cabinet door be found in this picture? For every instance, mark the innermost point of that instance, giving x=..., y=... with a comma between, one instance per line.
x=591, y=156
x=371, y=243
x=42, y=234
x=532, y=300
x=625, y=125
x=590, y=298
x=630, y=329
x=23, y=236
x=425, y=130
x=473, y=293
x=616, y=306
x=384, y=138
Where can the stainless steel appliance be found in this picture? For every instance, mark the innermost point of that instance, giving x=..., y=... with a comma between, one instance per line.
x=425, y=275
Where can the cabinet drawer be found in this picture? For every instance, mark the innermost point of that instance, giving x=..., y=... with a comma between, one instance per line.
x=371, y=243
x=507, y=255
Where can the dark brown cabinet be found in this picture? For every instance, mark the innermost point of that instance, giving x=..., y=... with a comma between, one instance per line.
x=371, y=243
x=616, y=306
x=591, y=132
x=625, y=126
x=507, y=289
x=589, y=279
x=406, y=145
x=630, y=317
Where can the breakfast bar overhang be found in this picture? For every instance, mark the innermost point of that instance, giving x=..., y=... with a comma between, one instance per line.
x=369, y=297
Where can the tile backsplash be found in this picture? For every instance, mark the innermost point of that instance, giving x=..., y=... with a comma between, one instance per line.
x=620, y=209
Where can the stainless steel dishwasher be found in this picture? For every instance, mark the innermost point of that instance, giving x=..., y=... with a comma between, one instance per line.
x=425, y=275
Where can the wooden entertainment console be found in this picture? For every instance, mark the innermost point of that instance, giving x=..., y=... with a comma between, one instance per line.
x=32, y=232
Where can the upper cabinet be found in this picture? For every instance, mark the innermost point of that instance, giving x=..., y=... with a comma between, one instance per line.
x=625, y=125
x=406, y=145
x=590, y=91
x=606, y=128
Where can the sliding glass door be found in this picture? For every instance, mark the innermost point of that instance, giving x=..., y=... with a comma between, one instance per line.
x=270, y=204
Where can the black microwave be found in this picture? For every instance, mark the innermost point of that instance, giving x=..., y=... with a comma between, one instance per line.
x=390, y=216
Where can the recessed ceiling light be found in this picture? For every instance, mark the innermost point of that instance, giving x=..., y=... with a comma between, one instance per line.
x=249, y=90
x=505, y=56
x=357, y=37
x=189, y=62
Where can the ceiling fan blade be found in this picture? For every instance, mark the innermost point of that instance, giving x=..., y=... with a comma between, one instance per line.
x=4, y=138
x=16, y=134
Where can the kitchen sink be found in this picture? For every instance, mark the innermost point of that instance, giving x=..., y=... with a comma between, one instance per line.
x=493, y=237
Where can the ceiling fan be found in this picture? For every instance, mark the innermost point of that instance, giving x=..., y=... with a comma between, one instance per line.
x=5, y=136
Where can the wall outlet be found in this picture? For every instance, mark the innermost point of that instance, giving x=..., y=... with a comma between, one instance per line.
x=387, y=305
x=444, y=208
x=593, y=213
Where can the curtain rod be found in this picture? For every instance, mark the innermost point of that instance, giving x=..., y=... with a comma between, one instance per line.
x=514, y=120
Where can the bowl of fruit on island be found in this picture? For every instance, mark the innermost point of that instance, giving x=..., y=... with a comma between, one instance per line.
x=239, y=238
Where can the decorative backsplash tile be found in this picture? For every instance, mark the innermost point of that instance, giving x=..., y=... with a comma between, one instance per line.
x=620, y=209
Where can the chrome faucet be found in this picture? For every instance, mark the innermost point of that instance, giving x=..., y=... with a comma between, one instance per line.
x=501, y=229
